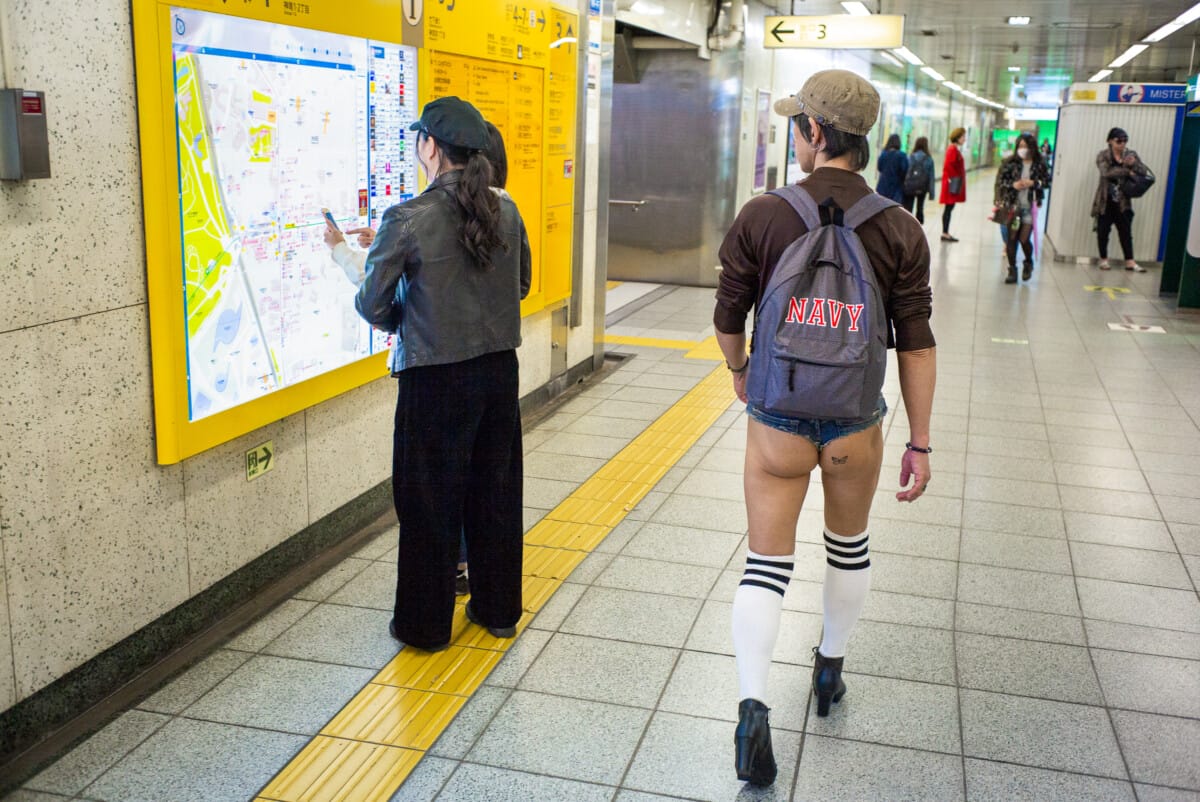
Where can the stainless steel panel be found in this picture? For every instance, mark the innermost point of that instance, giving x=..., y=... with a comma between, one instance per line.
x=605, y=80
x=685, y=20
x=1082, y=128
x=673, y=181
x=558, y=343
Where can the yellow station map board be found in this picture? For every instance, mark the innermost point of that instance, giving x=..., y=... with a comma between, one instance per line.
x=254, y=116
x=517, y=62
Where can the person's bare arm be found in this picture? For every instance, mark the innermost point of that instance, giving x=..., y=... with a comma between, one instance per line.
x=918, y=376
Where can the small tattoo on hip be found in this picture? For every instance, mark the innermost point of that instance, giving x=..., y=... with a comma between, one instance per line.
x=840, y=460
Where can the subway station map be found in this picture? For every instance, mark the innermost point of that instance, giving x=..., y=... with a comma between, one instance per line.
x=274, y=123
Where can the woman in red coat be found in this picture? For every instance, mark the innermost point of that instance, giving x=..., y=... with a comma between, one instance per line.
x=954, y=180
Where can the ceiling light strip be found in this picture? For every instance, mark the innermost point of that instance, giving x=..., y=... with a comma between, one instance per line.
x=1128, y=56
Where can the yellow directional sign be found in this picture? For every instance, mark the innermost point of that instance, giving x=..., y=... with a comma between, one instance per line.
x=1111, y=292
x=837, y=32
x=260, y=460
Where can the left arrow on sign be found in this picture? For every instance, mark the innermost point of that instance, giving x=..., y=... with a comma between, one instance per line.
x=779, y=31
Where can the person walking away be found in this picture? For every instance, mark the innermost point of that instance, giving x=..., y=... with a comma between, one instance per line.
x=1020, y=184
x=446, y=273
x=885, y=257
x=1111, y=206
x=954, y=180
x=893, y=167
x=919, y=181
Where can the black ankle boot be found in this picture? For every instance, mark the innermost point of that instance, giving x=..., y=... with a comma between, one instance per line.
x=1011, y=278
x=755, y=761
x=1027, y=271
x=827, y=681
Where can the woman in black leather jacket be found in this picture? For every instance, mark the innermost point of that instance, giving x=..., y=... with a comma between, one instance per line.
x=446, y=273
x=1020, y=188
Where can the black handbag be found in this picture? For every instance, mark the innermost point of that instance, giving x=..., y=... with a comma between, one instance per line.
x=954, y=185
x=1136, y=185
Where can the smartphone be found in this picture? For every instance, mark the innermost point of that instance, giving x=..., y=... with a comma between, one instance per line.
x=329, y=218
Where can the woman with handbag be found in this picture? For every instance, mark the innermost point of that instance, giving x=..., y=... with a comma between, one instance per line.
x=1019, y=189
x=954, y=180
x=1111, y=205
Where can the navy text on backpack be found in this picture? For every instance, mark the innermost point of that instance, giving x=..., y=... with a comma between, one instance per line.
x=819, y=348
x=916, y=181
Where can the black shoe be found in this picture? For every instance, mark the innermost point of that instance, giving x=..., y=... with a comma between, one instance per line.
x=1011, y=278
x=754, y=760
x=392, y=630
x=948, y=238
x=498, y=632
x=827, y=681
x=462, y=585
x=1027, y=271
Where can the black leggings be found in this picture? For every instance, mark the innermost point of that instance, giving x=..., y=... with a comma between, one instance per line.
x=1124, y=223
x=946, y=212
x=909, y=200
x=1023, y=236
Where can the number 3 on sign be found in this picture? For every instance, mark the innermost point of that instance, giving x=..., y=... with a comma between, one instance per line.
x=413, y=9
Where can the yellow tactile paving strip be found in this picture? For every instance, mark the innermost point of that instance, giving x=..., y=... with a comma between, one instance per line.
x=371, y=746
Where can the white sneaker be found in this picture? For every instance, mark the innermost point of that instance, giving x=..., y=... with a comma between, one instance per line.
x=1134, y=266
x=1104, y=264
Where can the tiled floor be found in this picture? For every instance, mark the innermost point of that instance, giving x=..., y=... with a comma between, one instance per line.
x=1033, y=632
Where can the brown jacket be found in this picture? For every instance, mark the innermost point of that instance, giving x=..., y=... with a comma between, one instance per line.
x=893, y=239
x=1113, y=172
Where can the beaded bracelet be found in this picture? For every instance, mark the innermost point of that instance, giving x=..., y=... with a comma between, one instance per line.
x=918, y=449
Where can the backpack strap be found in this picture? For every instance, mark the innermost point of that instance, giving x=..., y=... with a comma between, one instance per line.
x=871, y=204
x=803, y=203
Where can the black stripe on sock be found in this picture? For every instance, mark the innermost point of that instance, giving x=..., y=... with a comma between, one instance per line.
x=848, y=566
x=759, y=572
x=772, y=563
x=857, y=544
x=846, y=555
x=755, y=583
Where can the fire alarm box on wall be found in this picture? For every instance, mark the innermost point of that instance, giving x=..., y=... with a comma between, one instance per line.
x=24, y=141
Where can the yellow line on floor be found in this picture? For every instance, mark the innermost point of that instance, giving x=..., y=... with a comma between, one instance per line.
x=371, y=746
x=705, y=349
x=612, y=285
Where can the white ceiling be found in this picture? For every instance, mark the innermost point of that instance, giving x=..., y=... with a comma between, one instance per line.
x=1067, y=41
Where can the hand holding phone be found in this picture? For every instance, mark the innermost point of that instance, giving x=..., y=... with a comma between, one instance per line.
x=328, y=215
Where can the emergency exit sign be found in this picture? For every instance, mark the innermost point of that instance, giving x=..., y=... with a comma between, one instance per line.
x=838, y=32
x=260, y=460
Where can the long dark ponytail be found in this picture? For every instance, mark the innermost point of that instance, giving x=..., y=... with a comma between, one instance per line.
x=480, y=233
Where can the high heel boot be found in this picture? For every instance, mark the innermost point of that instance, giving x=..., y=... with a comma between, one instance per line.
x=827, y=681
x=755, y=761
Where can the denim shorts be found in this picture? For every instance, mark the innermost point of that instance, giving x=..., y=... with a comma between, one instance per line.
x=817, y=431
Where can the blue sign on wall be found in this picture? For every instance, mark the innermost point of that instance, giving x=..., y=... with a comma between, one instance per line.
x=1175, y=94
x=593, y=6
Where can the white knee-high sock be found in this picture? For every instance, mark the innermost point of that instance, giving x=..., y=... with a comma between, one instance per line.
x=847, y=580
x=757, y=607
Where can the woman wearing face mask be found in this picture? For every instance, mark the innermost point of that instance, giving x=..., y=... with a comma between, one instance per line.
x=447, y=272
x=954, y=180
x=1111, y=206
x=1019, y=189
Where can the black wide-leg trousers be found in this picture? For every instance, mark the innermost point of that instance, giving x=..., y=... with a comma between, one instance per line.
x=457, y=471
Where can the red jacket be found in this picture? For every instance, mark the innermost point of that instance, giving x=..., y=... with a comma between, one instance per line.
x=953, y=167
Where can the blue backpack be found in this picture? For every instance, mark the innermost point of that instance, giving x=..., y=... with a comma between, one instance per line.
x=819, y=348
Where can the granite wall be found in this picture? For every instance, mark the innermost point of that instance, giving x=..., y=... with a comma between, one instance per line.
x=96, y=539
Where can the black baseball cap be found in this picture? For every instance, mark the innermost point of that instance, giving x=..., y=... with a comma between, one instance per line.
x=453, y=121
